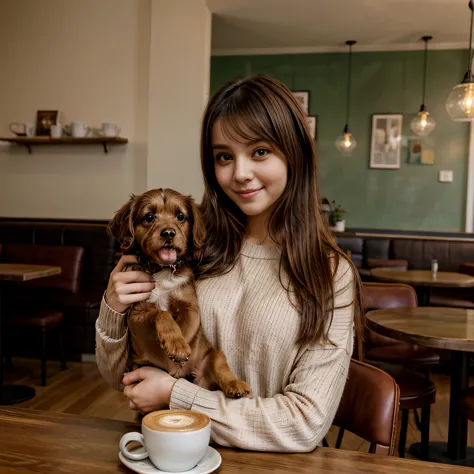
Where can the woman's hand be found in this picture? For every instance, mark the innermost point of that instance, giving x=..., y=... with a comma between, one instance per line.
x=148, y=389
x=126, y=288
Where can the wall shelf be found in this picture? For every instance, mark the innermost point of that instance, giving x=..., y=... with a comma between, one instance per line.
x=29, y=141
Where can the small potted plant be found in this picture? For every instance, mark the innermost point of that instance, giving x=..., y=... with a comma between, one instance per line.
x=335, y=215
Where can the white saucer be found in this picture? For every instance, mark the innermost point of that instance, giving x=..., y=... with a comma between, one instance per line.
x=209, y=463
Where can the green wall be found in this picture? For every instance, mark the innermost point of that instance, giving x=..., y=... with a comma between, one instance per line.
x=410, y=198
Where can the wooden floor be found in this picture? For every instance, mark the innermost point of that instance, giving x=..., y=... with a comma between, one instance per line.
x=81, y=390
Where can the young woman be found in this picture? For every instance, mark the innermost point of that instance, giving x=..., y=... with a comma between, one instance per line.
x=276, y=294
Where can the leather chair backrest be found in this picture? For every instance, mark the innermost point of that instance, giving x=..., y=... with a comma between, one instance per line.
x=369, y=407
x=384, y=296
x=68, y=258
x=388, y=295
x=99, y=247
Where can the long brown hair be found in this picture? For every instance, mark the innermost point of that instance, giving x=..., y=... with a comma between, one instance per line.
x=262, y=108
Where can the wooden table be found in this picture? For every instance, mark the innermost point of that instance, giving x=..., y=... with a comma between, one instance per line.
x=47, y=442
x=10, y=394
x=439, y=328
x=423, y=280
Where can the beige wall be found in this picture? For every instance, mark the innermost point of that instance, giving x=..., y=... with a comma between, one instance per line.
x=100, y=60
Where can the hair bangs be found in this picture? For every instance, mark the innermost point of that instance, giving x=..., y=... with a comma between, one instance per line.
x=244, y=118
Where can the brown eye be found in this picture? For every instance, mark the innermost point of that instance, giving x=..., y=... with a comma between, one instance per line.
x=150, y=217
x=180, y=216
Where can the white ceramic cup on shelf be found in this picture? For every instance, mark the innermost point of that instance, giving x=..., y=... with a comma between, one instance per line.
x=174, y=440
x=56, y=130
x=79, y=129
x=110, y=129
x=30, y=129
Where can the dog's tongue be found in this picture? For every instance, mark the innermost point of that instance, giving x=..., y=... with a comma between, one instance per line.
x=167, y=256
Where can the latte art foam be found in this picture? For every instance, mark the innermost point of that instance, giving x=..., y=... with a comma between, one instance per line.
x=178, y=421
x=175, y=420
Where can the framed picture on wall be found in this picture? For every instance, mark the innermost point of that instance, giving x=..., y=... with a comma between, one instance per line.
x=313, y=124
x=303, y=99
x=386, y=141
x=421, y=151
x=44, y=120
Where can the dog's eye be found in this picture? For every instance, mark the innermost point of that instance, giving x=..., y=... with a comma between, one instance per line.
x=180, y=216
x=150, y=217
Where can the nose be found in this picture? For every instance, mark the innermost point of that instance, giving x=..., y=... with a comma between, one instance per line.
x=168, y=233
x=243, y=170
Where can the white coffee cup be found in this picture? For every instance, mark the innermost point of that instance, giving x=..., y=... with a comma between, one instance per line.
x=79, y=129
x=56, y=131
x=110, y=129
x=174, y=440
x=30, y=129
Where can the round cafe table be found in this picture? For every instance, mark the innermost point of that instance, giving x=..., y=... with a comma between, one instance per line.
x=423, y=280
x=12, y=272
x=440, y=328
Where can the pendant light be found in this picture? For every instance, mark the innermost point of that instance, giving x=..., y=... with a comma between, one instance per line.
x=346, y=143
x=460, y=103
x=422, y=125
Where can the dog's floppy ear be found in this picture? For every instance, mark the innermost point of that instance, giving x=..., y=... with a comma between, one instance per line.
x=198, y=229
x=121, y=226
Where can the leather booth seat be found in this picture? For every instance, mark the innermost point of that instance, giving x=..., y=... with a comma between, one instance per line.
x=80, y=308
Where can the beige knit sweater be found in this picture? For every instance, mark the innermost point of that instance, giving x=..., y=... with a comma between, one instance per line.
x=247, y=314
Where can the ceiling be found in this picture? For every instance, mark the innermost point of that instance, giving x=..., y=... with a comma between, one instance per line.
x=279, y=26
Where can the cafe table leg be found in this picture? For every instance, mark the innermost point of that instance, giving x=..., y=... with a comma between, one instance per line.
x=10, y=394
x=455, y=451
x=457, y=437
x=424, y=295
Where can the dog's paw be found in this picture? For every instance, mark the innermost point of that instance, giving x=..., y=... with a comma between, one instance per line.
x=177, y=350
x=236, y=389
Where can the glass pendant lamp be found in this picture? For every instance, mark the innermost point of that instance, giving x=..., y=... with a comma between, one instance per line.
x=460, y=102
x=346, y=143
x=422, y=125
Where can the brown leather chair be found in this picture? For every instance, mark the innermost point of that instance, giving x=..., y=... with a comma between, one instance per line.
x=393, y=264
x=384, y=349
x=369, y=407
x=23, y=317
x=416, y=390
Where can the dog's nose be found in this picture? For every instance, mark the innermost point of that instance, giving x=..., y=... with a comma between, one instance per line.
x=169, y=233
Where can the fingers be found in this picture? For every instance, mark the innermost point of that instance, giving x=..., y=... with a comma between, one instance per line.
x=133, y=377
x=127, y=289
x=124, y=261
x=127, y=300
x=132, y=276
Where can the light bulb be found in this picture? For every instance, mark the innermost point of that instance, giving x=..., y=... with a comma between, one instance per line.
x=460, y=103
x=422, y=125
x=346, y=143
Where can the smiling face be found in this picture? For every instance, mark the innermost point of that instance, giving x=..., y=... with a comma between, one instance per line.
x=165, y=225
x=253, y=174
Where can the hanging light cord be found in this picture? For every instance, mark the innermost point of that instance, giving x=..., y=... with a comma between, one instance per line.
x=425, y=39
x=468, y=76
x=348, y=106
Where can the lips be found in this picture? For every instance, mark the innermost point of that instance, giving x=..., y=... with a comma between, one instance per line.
x=248, y=193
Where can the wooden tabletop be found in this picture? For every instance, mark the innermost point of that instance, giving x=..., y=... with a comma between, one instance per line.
x=25, y=272
x=423, y=278
x=48, y=442
x=440, y=328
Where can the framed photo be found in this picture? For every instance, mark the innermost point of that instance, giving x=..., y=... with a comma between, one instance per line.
x=44, y=120
x=386, y=141
x=312, y=123
x=421, y=151
x=303, y=99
